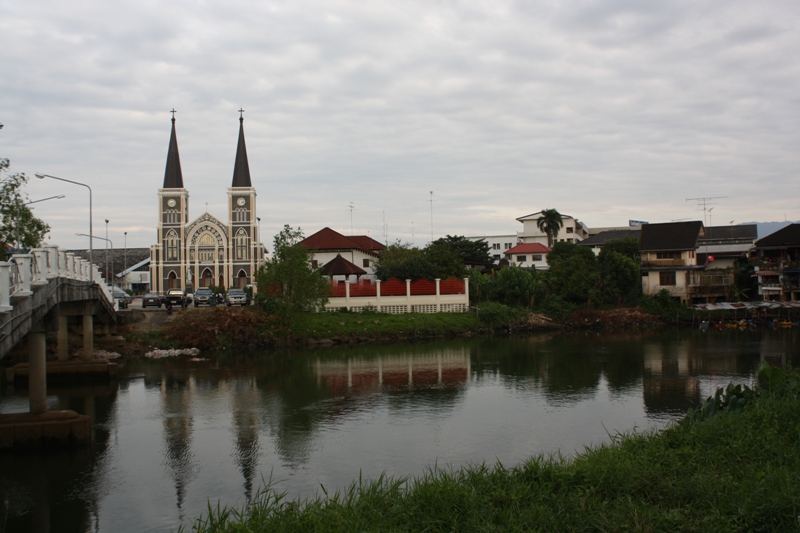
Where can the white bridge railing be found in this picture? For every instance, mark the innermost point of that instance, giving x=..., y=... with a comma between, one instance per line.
x=25, y=272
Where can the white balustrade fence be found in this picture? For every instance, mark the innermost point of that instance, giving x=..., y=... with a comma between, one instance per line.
x=25, y=272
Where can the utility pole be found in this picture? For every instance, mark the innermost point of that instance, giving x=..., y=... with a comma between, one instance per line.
x=431, y=216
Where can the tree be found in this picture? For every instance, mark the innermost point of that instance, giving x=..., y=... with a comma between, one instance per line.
x=447, y=262
x=620, y=278
x=550, y=222
x=515, y=286
x=18, y=226
x=574, y=273
x=471, y=252
x=393, y=256
x=287, y=282
x=627, y=246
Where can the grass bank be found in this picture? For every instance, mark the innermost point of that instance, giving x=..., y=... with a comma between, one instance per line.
x=732, y=465
x=223, y=327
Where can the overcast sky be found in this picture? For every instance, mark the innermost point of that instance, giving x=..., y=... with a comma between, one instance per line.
x=605, y=110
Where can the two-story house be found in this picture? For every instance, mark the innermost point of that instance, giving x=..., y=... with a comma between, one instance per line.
x=360, y=251
x=777, y=258
x=528, y=255
x=573, y=230
x=669, y=258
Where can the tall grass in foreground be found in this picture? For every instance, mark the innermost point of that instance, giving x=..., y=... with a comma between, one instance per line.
x=732, y=465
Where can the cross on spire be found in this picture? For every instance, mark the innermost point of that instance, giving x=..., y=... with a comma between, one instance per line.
x=173, y=113
x=240, y=113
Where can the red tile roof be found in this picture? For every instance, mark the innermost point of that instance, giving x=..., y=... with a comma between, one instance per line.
x=339, y=266
x=528, y=248
x=328, y=239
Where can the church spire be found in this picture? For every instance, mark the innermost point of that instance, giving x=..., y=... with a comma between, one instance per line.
x=241, y=168
x=173, y=177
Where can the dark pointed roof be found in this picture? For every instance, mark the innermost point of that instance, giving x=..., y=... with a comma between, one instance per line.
x=241, y=168
x=785, y=237
x=173, y=177
x=339, y=266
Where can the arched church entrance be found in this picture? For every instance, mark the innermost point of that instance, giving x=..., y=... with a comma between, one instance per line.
x=207, y=279
x=241, y=280
x=172, y=280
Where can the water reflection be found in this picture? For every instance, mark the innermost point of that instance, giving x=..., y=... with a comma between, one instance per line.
x=170, y=434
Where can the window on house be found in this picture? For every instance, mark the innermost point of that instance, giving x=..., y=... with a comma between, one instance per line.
x=570, y=230
x=536, y=257
x=666, y=278
x=365, y=263
x=668, y=255
x=508, y=245
x=496, y=256
x=522, y=258
x=496, y=246
x=313, y=263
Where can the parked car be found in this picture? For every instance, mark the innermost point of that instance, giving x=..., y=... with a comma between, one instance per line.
x=237, y=297
x=204, y=296
x=175, y=297
x=151, y=300
x=121, y=297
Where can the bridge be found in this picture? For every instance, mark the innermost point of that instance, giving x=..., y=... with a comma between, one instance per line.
x=42, y=291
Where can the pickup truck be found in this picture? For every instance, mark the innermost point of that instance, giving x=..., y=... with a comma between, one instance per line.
x=175, y=297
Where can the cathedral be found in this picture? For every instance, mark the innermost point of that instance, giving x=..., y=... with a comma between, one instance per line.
x=205, y=251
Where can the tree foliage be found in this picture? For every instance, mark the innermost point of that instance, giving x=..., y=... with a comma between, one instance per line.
x=287, y=283
x=403, y=261
x=620, y=278
x=627, y=246
x=550, y=222
x=574, y=272
x=515, y=286
x=471, y=252
x=18, y=226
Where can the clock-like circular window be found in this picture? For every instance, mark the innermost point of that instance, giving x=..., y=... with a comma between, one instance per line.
x=240, y=201
x=171, y=203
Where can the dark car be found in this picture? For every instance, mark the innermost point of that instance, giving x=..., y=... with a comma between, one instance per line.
x=204, y=296
x=237, y=297
x=121, y=297
x=151, y=300
x=175, y=297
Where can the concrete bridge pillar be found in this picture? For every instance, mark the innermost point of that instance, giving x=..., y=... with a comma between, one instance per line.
x=63, y=338
x=37, y=372
x=88, y=335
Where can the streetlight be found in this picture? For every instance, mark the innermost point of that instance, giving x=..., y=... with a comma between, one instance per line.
x=125, y=269
x=112, y=249
x=59, y=197
x=43, y=176
x=102, y=239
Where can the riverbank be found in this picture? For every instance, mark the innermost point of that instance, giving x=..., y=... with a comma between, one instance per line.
x=224, y=328
x=731, y=466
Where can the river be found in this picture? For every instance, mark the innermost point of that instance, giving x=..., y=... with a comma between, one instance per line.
x=172, y=435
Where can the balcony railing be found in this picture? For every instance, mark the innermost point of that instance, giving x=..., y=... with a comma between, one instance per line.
x=663, y=263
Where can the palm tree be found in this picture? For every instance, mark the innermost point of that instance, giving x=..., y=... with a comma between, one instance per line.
x=550, y=222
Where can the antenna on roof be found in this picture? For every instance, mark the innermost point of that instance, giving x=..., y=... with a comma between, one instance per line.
x=705, y=202
x=351, y=217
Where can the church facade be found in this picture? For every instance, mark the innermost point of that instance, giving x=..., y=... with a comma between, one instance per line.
x=207, y=250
